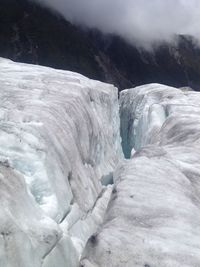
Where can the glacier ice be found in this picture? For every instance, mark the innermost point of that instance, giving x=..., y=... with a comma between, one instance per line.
x=153, y=217
x=59, y=135
x=68, y=197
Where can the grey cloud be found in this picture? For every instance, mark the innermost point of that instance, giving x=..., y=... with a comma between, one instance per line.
x=142, y=21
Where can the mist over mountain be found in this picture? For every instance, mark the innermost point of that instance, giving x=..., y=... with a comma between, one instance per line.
x=34, y=34
x=140, y=22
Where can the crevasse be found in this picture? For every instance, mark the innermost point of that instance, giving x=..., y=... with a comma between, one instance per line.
x=68, y=197
x=153, y=216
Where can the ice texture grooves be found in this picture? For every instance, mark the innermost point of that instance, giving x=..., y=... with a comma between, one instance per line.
x=59, y=135
x=153, y=217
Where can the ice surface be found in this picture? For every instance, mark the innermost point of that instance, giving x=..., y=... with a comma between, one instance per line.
x=67, y=196
x=153, y=218
x=59, y=135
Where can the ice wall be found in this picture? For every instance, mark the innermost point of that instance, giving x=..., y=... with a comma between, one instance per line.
x=59, y=135
x=153, y=217
x=60, y=152
x=143, y=111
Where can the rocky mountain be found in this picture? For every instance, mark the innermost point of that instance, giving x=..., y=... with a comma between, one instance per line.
x=33, y=34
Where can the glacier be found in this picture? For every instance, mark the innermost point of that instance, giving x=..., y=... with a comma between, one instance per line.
x=91, y=179
x=59, y=136
x=153, y=218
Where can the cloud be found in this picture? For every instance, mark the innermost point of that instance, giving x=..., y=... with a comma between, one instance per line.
x=141, y=21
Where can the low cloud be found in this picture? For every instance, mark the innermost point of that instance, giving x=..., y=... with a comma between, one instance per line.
x=141, y=21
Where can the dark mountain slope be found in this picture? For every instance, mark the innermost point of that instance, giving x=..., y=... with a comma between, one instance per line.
x=33, y=34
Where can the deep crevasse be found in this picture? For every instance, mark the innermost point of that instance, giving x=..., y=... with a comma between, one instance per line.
x=153, y=217
x=59, y=146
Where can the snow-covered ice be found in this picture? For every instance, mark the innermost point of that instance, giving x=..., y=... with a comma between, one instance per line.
x=59, y=135
x=68, y=198
x=153, y=218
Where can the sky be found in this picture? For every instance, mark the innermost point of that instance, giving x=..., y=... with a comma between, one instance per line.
x=140, y=21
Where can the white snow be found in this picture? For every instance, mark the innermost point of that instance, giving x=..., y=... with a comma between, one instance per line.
x=67, y=196
x=59, y=135
x=153, y=219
